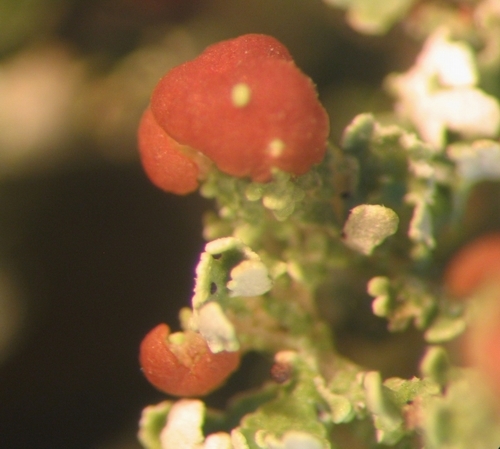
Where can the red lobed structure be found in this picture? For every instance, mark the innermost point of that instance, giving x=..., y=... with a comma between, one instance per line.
x=242, y=104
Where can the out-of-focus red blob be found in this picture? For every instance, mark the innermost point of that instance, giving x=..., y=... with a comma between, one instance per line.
x=164, y=160
x=244, y=104
x=481, y=346
x=184, y=368
x=474, y=264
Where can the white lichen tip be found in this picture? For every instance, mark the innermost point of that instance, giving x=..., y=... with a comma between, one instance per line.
x=240, y=95
x=468, y=111
x=439, y=93
x=219, y=440
x=183, y=429
x=216, y=328
x=452, y=62
x=249, y=278
x=368, y=226
x=222, y=245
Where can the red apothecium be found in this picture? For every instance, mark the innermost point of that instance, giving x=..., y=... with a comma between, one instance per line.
x=182, y=364
x=476, y=263
x=245, y=105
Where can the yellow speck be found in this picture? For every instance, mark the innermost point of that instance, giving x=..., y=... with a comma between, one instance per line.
x=177, y=338
x=276, y=147
x=240, y=95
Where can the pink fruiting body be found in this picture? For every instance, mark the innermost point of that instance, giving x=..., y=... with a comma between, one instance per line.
x=476, y=263
x=245, y=105
x=165, y=161
x=476, y=266
x=185, y=367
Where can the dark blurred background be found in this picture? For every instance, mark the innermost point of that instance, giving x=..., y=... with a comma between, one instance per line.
x=92, y=256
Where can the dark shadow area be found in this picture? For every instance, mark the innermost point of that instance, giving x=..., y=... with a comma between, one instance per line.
x=102, y=256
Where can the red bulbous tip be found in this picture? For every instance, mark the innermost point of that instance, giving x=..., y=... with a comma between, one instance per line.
x=245, y=105
x=185, y=366
x=169, y=165
x=474, y=264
